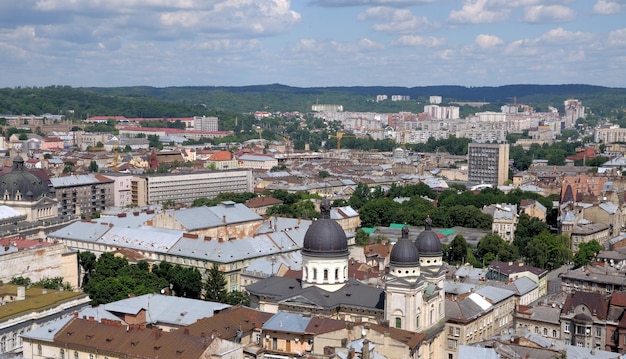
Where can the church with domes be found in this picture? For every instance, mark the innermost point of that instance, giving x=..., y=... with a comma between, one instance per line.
x=26, y=193
x=412, y=297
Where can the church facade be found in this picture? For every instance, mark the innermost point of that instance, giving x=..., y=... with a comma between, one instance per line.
x=412, y=297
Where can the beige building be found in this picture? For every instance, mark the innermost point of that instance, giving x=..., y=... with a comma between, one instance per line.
x=488, y=163
x=24, y=310
x=186, y=187
x=587, y=232
x=38, y=260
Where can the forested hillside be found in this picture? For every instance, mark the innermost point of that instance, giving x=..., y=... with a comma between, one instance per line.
x=188, y=101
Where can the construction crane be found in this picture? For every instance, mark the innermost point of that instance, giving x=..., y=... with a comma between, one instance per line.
x=339, y=136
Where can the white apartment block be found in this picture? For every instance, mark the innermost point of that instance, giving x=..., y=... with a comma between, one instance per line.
x=435, y=100
x=400, y=97
x=185, y=187
x=326, y=108
x=381, y=98
x=574, y=110
x=437, y=112
x=203, y=123
x=610, y=135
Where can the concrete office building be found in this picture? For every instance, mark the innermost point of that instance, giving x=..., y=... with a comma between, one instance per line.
x=185, y=187
x=488, y=163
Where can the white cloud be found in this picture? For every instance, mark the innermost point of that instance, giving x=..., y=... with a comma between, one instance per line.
x=486, y=41
x=560, y=36
x=394, y=20
x=548, y=13
x=604, y=7
x=346, y=3
x=617, y=38
x=418, y=41
x=478, y=12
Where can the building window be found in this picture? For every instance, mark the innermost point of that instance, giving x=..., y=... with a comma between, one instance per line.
x=75, y=355
x=457, y=332
x=274, y=343
x=398, y=322
x=314, y=273
x=545, y=332
x=336, y=274
x=417, y=321
x=536, y=330
x=62, y=354
x=326, y=274
x=39, y=349
x=598, y=332
x=553, y=333
x=566, y=330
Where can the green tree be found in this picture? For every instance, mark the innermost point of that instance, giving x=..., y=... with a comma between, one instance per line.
x=87, y=261
x=215, y=285
x=586, y=252
x=93, y=166
x=491, y=247
x=361, y=237
x=456, y=251
x=25, y=281
x=238, y=297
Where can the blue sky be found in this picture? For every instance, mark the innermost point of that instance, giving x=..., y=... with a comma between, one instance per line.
x=309, y=43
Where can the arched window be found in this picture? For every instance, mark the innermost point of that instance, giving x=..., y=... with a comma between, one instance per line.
x=417, y=321
x=75, y=355
x=39, y=349
x=305, y=271
x=336, y=274
x=326, y=274
x=314, y=273
x=398, y=322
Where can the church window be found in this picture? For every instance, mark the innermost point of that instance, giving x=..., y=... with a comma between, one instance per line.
x=38, y=349
x=314, y=273
x=398, y=322
x=417, y=322
x=326, y=274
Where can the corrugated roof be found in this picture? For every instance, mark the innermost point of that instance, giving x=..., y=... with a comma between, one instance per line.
x=287, y=322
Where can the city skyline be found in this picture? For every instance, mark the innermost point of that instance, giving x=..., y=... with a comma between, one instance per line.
x=312, y=43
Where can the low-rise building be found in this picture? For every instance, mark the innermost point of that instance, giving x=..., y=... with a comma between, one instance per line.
x=26, y=309
x=506, y=271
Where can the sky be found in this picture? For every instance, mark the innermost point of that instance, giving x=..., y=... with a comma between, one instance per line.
x=312, y=43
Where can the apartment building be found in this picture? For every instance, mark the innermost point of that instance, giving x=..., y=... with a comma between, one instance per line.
x=488, y=163
x=203, y=123
x=83, y=195
x=185, y=187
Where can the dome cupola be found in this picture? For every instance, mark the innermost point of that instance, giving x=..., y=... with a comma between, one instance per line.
x=325, y=237
x=21, y=185
x=404, y=252
x=428, y=243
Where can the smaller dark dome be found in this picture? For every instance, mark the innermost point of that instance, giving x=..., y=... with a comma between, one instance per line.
x=428, y=243
x=404, y=253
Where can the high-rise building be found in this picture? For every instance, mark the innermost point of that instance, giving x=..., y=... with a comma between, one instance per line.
x=204, y=123
x=488, y=163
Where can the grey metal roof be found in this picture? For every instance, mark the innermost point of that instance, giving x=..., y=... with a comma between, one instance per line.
x=458, y=287
x=81, y=231
x=158, y=240
x=47, y=332
x=287, y=322
x=494, y=294
x=67, y=181
x=8, y=212
x=289, y=290
x=167, y=309
x=472, y=352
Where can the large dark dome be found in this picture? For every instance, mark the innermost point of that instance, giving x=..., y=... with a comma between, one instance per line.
x=428, y=243
x=325, y=237
x=404, y=252
x=21, y=185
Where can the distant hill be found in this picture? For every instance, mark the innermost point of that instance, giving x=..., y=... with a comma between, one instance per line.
x=145, y=101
